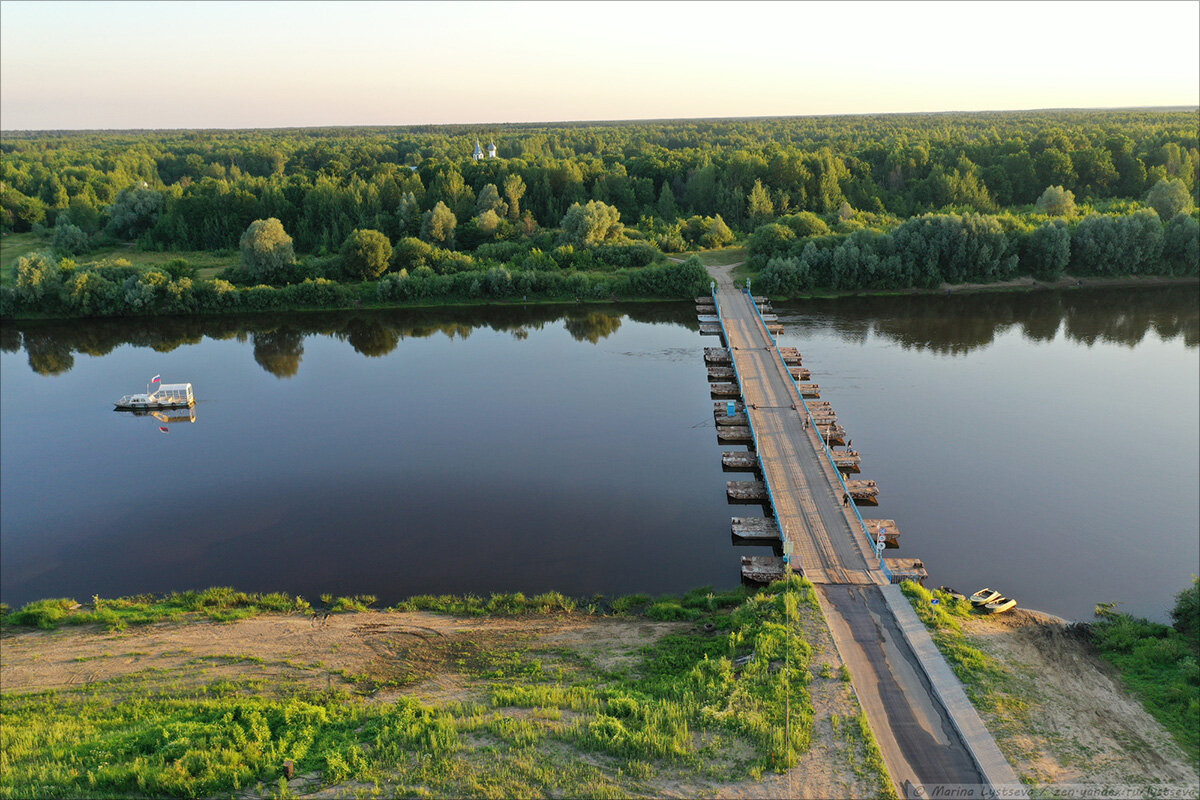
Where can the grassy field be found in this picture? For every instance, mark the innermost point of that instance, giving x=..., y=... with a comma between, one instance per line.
x=12, y=247
x=505, y=697
x=717, y=258
x=15, y=245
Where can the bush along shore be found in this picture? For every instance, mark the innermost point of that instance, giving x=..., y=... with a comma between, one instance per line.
x=47, y=287
x=438, y=696
x=795, y=255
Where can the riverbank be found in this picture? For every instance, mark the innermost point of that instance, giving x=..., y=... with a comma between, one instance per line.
x=1063, y=716
x=567, y=703
x=368, y=302
x=738, y=272
x=1025, y=284
x=655, y=698
x=1058, y=710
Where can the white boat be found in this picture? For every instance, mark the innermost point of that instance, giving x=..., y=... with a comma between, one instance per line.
x=999, y=604
x=984, y=596
x=166, y=395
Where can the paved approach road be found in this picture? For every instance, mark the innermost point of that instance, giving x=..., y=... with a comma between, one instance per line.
x=921, y=739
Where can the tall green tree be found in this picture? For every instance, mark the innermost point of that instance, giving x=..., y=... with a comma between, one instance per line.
x=1169, y=197
x=489, y=200
x=365, y=254
x=759, y=208
x=1047, y=251
x=438, y=225
x=718, y=234
x=68, y=239
x=1181, y=245
x=450, y=188
x=514, y=190
x=267, y=253
x=1056, y=201
x=591, y=224
x=134, y=212
x=668, y=211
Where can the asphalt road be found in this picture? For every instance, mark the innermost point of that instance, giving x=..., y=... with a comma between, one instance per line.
x=919, y=740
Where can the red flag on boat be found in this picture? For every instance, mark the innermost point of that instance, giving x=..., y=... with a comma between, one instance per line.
x=162, y=428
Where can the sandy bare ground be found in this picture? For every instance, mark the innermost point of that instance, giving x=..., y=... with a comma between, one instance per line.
x=1083, y=728
x=384, y=645
x=361, y=644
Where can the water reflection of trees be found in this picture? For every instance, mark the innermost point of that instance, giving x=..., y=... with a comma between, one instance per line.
x=592, y=327
x=279, y=351
x=48, y=355
x=371, y=337
x=951, y=325
x=278, y=339
x=958, y=324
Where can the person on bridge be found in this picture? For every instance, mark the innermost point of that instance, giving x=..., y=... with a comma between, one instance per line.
x=845, y=500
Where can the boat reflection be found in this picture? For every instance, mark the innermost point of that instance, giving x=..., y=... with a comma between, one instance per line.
x=166, y=416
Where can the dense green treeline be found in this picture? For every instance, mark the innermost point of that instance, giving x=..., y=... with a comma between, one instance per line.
x=328, y=218
x=203, y=188
x=932, y=249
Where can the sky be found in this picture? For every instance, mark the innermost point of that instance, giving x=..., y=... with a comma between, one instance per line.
x=88, y=65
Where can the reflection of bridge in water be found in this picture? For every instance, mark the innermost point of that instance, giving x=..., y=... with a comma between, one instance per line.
x=928, y=731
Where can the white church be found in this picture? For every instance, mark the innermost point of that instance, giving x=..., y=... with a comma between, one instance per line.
x=478, y=154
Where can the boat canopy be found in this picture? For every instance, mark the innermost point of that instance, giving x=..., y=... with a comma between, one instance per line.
x=173, y=391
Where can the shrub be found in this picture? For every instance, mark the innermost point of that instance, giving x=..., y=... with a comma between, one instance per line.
x=44, y=614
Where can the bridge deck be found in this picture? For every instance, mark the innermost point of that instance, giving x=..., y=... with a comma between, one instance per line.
x=811, y=514
x=928, y=732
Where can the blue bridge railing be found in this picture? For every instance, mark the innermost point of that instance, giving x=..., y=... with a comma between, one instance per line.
x=828, y=453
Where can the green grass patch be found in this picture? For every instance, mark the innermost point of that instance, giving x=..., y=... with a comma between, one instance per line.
x=210, y=261
x=207, y=263
x=12, y=247
x=504, y=604
x=544, y=720
x=79, y=744
x=219, y=603
x=717, y=258
x=866, y=759
x=985, y=679
x=686, y=683
x=1159, y=665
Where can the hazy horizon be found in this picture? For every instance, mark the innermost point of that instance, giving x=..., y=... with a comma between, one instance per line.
x=554, y=122
x=261, y=65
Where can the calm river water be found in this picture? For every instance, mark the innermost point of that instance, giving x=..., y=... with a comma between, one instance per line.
x=1046, y=444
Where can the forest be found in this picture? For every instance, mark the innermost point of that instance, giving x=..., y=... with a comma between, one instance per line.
x=380, y=216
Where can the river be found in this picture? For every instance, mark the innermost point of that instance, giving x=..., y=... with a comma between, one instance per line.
x=1045, y=444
